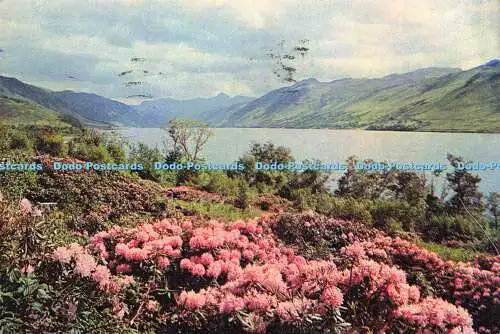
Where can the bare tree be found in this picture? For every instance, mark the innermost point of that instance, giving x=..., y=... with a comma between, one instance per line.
x=188, y=136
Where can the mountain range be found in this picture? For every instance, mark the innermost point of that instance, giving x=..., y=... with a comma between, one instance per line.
x=429, y=99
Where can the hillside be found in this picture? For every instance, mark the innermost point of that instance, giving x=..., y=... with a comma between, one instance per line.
x=15, y=111
x=101, y=109
x=34, y=102
x=424, y=100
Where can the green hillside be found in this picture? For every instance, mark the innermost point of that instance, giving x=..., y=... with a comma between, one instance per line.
x=430, y=101
x=15, y=111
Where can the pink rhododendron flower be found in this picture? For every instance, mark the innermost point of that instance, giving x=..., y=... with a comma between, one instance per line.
x=435, y=311
x=123, y=268
x=332, y=296
x=198, y=270
x=25, y=206
x=102, y=276
x=163, y=262
x=85, y=264
x=214, y=269
x=152, y=305
x=62, y=254
x=192, y=300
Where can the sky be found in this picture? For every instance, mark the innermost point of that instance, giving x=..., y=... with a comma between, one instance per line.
x=199, y=48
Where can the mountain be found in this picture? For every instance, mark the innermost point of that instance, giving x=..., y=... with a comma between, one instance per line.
x=101, y=109
x=36, y=104
x=160, y=111
x=431, y=99
x=22, y=101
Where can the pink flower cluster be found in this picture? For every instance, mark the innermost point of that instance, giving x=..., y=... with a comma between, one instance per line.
x=243, y=268
x=473, y=286
x=384, y=280
x=85, y=265
x=159, y=243
x=436, y=313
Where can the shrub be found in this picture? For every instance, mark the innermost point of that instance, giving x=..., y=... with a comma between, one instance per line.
x=19, y=141
x=49, y=142
x=349, y=208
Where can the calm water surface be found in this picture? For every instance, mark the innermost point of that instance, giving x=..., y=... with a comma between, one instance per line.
x=336, y=145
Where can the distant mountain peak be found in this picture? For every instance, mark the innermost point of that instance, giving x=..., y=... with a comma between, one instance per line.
x=223, y=95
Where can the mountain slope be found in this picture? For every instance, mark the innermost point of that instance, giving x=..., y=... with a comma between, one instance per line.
x=101, y=109
x=428, y=99
x=15, y=111
x=15, y=92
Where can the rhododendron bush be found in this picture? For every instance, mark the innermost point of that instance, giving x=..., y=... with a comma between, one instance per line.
x=252, y=276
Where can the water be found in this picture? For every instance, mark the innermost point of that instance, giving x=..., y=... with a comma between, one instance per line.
x=327, y=145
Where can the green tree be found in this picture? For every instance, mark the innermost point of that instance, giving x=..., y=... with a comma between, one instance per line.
x=465, y=189
x=493, y=205
x=267, y=153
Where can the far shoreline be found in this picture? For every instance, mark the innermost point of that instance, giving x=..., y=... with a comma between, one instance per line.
x=115, y=128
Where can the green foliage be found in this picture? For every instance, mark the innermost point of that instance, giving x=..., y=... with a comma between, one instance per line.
x=439, y=228
x=400, y=211
x=23, y=302
x=19, y=141
x=141, y=153
x=450, y=253
x=48, y=141
x=242, y=200
x=89, y=145
x=493, y=206
x=219, y=182
x=352, y=209
x=19, y=184
x=265, y=153
x=221, y=211
x=465, y=189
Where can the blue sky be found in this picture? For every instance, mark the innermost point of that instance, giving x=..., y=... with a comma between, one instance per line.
x=204, y=47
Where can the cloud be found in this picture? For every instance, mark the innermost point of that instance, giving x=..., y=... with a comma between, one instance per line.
x=208, y=46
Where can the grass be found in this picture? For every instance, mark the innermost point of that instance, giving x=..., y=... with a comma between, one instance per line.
x=219, y=211
x=450, y=253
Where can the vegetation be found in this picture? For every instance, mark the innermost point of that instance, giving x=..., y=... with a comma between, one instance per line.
x=236, y=251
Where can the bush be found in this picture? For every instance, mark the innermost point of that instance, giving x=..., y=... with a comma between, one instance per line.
x=352, y=209
x=218, y=182
x=242, y=200
x=401, y=211
x=50, y=143
x=141, y=153
x=19, y=141
x=441, y=228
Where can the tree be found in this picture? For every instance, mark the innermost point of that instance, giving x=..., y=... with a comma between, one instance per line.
x=493, y=206
x=188, y=137
x=465, y=186
x=368, y=184
x=267, y=153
